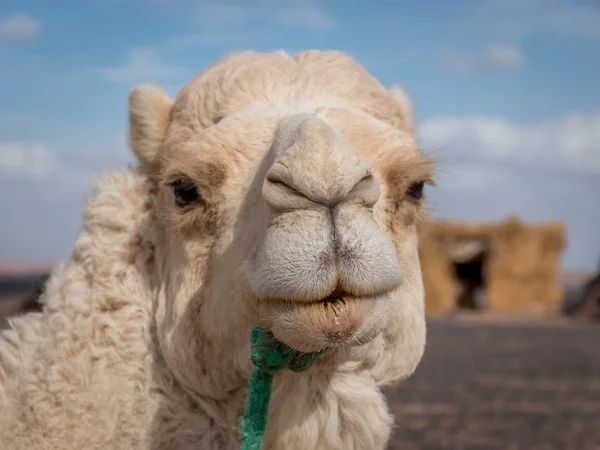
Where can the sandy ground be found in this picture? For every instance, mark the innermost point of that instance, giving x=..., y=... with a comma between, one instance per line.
x=493, y=384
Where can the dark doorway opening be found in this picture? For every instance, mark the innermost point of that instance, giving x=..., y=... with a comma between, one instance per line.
x=469, y=259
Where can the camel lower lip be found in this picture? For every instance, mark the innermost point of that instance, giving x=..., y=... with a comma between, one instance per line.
x=312, y=326
x=335, y=319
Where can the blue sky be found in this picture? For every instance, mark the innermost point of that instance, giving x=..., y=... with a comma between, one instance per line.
x=506, y=92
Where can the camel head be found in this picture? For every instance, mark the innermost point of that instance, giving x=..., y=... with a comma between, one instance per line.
x=286, y=192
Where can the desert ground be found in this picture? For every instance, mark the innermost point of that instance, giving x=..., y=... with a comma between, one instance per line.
x=502, y=383
x=491, y=382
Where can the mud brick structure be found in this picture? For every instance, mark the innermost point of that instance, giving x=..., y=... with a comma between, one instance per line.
x=509, y=267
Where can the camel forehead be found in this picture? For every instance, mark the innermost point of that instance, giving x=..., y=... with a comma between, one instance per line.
x=246, y=136
x=312, y=77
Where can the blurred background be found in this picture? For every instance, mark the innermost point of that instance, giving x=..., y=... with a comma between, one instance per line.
x=507, y=100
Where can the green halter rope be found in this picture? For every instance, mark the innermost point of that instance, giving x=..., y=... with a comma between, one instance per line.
x=269, y=356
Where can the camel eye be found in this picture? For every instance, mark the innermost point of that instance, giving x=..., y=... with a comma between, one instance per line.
x=185, y=193
x=415, y=190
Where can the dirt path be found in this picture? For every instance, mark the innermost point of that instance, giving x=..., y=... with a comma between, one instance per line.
x=500, y=385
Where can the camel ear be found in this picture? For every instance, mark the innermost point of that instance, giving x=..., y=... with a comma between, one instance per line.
x=149, y=113
x=404, y=113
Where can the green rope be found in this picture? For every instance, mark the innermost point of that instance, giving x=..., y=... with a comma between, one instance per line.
x=269, y=356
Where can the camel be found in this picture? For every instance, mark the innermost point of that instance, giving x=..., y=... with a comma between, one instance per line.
x=280, y=190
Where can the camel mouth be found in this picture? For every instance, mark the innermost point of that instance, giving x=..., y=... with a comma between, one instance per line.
x=336, y=297
x=338, y=320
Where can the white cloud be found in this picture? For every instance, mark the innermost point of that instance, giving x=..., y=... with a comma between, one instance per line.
x=143, y=65
x=114, y=152
x=48, y=173
x=507, y=23
x=502, y=57
x=569, y=143
x=25, y=160
x=494, y=57
x=521, y=18
x=43, y=191
x=19, y=28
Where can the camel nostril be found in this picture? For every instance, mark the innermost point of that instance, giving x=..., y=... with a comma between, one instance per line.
x=314, y=159
x=365, y=192
x=285, y=187
x=282, y=196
